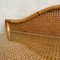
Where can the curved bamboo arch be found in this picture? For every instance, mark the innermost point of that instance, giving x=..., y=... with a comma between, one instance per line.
x=43, y=22
x=55, y=7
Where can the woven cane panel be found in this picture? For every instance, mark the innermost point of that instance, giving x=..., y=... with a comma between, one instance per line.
x=47, y=23
x=14, y=51
x=29, y=47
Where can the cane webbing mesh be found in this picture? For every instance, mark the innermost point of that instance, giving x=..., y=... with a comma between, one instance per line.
x=29, y=47
x=47, y=23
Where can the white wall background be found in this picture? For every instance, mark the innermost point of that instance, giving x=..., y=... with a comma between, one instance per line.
x=16, y=9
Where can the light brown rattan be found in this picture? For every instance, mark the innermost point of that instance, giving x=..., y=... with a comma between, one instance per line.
x=26, y=46
x=44, y=22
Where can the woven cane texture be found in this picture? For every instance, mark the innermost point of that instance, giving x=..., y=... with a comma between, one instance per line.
x=22, y=46
x=44, y=24
x=14, y=51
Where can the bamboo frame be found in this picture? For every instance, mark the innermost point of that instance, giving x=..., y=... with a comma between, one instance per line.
x=29, y=18
x=55, y=7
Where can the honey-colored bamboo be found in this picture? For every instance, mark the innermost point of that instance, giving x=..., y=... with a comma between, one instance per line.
x=36, y=37
x=44, y=22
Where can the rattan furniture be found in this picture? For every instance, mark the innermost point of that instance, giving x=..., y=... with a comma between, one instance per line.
x=27, y=46
x=44, y=22
x=36, y=37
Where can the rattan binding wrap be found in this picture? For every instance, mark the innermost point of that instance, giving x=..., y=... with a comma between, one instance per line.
x=44, y=22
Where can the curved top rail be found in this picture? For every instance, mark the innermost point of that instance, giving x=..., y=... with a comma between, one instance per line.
x=55, y=7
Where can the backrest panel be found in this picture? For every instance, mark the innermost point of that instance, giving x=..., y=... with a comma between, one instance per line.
x=47, y=23
x=50, y=23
